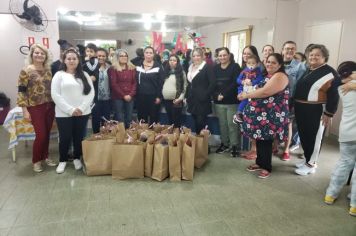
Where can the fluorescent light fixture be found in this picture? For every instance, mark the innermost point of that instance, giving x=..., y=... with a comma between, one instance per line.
x=163, y=27
x=62, y=10
x=147, y=25
x=147, y=17
x=160, y=16
x=86, y=20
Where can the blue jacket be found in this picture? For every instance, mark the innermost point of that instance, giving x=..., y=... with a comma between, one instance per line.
x=295, y=70
x=255, y=75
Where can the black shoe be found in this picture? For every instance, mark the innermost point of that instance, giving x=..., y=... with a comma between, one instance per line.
x=234, y=151
x=222, y=149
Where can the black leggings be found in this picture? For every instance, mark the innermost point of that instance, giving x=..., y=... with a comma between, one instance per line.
x=264, y=154
x=308, y=118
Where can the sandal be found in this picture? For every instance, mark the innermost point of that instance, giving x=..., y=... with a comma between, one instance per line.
x=253, y=167
x=264, y=174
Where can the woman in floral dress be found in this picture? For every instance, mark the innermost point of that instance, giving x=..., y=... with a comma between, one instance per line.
x=266, y=115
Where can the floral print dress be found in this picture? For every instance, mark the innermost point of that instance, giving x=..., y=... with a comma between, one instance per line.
x=267, y=118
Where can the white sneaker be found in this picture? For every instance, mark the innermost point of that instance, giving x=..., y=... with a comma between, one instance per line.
x=50, y=162
x=37, y=167
x=305, y=170
x=300, y=164
x=61, y=167
x=294, y=148
x=77, y=164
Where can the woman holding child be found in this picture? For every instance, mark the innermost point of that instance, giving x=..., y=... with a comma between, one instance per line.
x=266, y=115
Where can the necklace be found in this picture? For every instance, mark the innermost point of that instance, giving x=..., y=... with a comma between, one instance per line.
x=147, y=65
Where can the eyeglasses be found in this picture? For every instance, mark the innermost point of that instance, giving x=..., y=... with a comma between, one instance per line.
x=123, y=56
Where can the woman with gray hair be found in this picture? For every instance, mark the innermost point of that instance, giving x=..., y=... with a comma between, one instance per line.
x=315, y=102
x=123, y=86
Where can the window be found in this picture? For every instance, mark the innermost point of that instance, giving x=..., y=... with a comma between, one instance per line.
x=236, y=41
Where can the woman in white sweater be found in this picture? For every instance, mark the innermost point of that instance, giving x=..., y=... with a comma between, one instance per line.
x=73, y=93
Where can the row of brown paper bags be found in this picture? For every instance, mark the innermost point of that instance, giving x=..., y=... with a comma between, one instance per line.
x=174, y=155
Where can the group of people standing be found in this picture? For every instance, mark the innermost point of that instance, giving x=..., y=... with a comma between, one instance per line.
x=262, y=99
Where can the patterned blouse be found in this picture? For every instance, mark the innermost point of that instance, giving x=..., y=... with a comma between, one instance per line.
x=34, y=87
x=267, y=118
x=103, y=84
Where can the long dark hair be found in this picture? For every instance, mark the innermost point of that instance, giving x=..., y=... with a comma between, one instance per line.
x=78, y=71
x=254, y=51
x=178, y=71
x=280, y=61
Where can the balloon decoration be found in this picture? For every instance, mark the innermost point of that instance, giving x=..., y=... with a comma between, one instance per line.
x=179, y=42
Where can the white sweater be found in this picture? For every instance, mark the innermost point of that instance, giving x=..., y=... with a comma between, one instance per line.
x=347, y=130
x=67, y=94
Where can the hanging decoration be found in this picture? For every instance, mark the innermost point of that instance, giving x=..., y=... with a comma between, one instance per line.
x=179, y=41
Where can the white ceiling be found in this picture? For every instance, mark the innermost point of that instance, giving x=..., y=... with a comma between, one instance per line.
x=129, y=22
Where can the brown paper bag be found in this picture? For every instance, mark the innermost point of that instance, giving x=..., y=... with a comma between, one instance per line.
x=185, y=130
x=160, y=162
x=149, y=136
x=120, y=132
x=174, y=160
x=188, y=154
x=149, y=159
x=201, y=150
x=127, y=161
x=97, y=155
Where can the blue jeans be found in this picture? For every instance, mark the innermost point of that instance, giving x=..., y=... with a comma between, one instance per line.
x=123, y=111
x=344, y=165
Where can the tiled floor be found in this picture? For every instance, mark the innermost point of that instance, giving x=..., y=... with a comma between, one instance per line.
x=223, y=199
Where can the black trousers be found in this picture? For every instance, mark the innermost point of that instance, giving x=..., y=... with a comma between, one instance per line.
x=71, y=129
x=174, y=113
x=308, y=123
x=101, y=108
x=264, y=154
x=147, y=109
x=200, y=121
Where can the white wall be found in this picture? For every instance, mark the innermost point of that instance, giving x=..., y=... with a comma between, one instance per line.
x=262, y=29
x=223, y=8
x=285, y=23
x=319, y=11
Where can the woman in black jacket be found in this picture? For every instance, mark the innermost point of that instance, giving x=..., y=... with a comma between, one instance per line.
x=225, y=101
x=150, y=77
x=201, y=84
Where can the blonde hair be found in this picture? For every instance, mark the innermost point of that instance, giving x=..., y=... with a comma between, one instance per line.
x=199, y=50
x=116, y=63
x=48, y=60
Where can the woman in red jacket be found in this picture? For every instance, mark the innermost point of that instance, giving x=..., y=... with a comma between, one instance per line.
x=123, y=86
